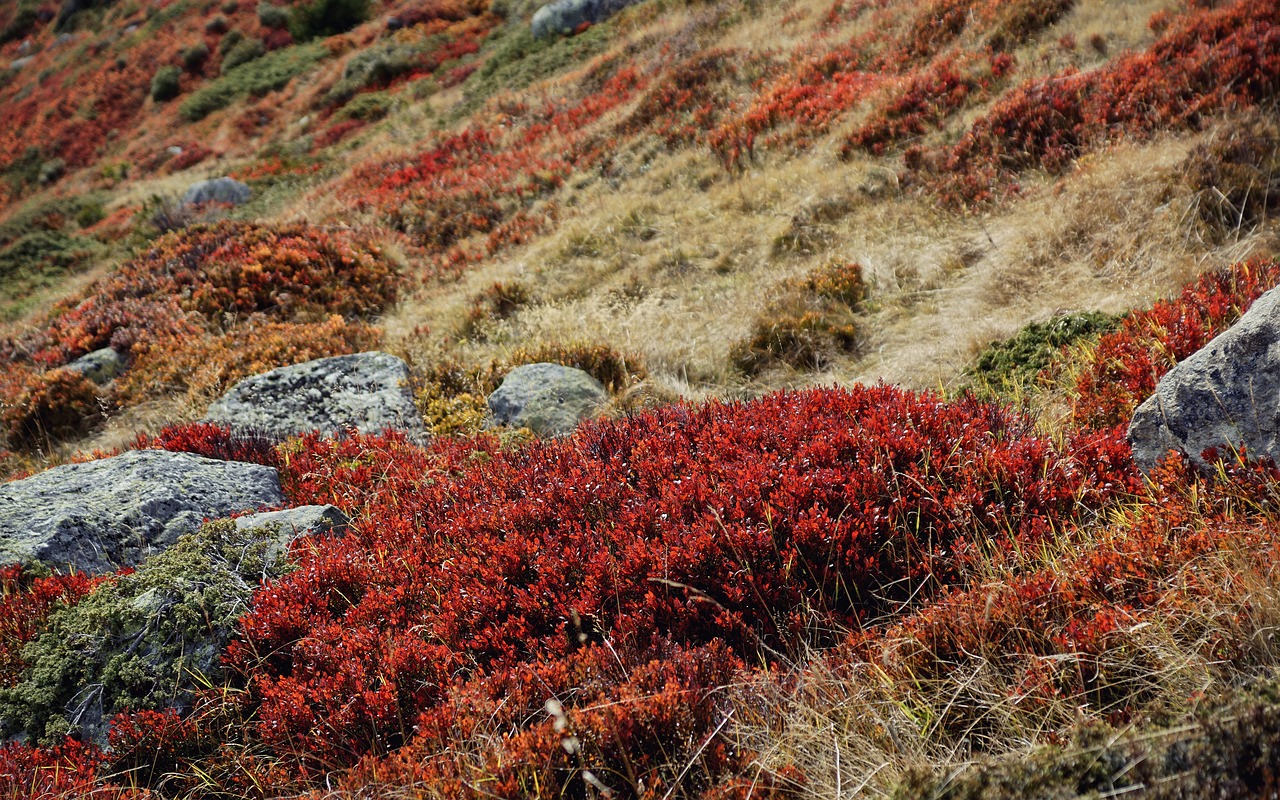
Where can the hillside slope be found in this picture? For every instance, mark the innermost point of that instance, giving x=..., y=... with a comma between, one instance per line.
x=728, y=588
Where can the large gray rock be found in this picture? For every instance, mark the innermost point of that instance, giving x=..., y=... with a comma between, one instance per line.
x=217, y=190
x=1226, y=393
x=366, y=391
x=548, y=399
x=564, y=16
x=101, y=515
x=99, y=366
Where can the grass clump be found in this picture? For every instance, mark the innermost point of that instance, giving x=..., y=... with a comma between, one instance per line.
x=1227, y=751
x=809, y=324
x=269, y=73
x=1235, y=177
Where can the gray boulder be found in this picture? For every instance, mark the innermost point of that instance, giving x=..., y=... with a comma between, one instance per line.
x=365, y=391
x=99, y=366
x=1226, y=393
x=101, y=515
x=548, y=399
x=564, y=16
x=217, y=190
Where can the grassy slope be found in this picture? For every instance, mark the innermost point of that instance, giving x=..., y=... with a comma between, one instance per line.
x=665, y=255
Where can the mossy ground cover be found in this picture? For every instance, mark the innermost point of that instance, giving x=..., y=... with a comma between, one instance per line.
x=145, y=640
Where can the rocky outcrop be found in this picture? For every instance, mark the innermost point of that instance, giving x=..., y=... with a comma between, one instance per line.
x=217, y=190
x=566, y=16
x=146, y=640
x=101, y=515
x=99, y=366
x=367, y=392
x=548, y=399
x=1226, y=393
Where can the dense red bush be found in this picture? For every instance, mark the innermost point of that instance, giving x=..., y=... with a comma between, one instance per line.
x=72, y=769
x=756, y=525
x=1126, y=365
x=212, y=441
x=25, y=604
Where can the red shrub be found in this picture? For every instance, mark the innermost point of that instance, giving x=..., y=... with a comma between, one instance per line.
x=53, y=406
x=68, y=770
x=924, y=99
x=594, y=718
x=1068, y=627
x=1209, y=60
x=284, y=272
x=482, y=182
x=753, y=524
x=211, y=441
x=25, y=605
x=1126, y=365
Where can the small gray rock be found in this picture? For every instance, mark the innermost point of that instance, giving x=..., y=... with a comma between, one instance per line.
x=285, y=527
x=564, y=16
x=1226, y=393
x=101, y=515
x=549, y=399
x=99, y=366
x=19, y=63
x=217, y=190
x=366, y=391
x=294, y=523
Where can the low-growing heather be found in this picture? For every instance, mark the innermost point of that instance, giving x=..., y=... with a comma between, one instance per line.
x=760, y=525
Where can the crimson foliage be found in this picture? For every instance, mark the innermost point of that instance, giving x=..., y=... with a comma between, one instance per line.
x=764, y=525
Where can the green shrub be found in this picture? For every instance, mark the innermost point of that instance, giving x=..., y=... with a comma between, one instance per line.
x=368, y=107
x=258, y=77
x=272, y=16
x=145, y=640
x=321, y=18
x=195, y=56
x=165, y=84
x=232, y=38
x=21, y=23
x=374, y=66
x=241, y=53
x=90, y=214
x=517, y=60
x=1003, y=366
